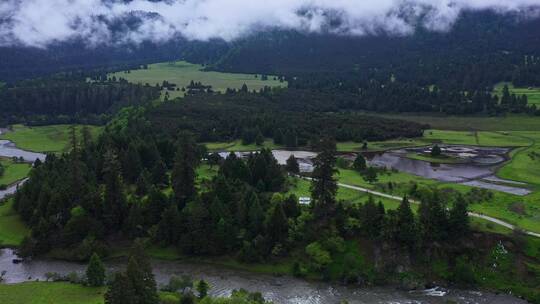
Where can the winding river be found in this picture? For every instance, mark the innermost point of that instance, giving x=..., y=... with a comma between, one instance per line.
x=281, y=290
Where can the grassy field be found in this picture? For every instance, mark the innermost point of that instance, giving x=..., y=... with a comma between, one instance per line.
x=52, y=138
x=59, y=293
x=181, y=73
x=533, y=94
x=511, y=122
x=50, y=293
x=12, y=229
x=237, y=146
x=13, y=171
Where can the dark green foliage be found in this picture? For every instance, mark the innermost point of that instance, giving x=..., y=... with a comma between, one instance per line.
x=183, y=174
x=95, y=272
x=121, y=291
x=202, y=288
x=370, y=175
x=136, y=285
x=436, y=151
x=359, y=163
x=293, y=117
x=292, y=165
x=324, y=186
x=69, y=100
x=458, y=219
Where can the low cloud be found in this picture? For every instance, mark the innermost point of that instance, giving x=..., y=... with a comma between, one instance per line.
x=40, y=23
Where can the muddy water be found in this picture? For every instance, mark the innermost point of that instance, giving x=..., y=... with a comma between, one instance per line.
x=8, y=149
x=281, y=290
x=478, y=171
x=304, y=158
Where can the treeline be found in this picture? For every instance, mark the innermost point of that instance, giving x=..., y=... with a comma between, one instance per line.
x=291, y=117
x=47, y=101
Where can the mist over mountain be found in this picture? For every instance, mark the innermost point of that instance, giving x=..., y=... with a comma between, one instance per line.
x=414, y=39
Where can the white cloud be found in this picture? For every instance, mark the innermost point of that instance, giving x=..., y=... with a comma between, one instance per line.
x=42, y=22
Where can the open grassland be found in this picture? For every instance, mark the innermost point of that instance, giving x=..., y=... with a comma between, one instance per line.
x=436, y=136
x=60, y=293
x=511, y=122
x=237, y=146
x=301, y=187
x=53, y=138
x=13, y=171
x=533, y=94
x=50, y=293
x=182, y=73
x=12, y=229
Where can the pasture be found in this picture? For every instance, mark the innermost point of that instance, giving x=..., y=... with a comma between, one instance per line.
x=12, y=229
x=182, y=73
x=13, y=171
x=53, y=138
x=533, y=94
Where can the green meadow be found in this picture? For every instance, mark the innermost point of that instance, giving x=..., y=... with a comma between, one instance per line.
x=50, y=293
x=182, y=73
x=13, y=171
x=533, y=94
x=12, y=229
x=509, y=122
x=237, y=146
x=53, y=138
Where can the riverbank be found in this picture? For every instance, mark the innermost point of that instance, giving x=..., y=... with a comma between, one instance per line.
x=280, y=289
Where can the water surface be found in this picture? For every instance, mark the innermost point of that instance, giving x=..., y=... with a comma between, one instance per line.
x=281, y=290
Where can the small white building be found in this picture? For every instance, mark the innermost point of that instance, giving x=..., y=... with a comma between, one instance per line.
x=304, y=200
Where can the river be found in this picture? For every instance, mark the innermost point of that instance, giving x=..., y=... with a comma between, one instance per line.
x=281, y=290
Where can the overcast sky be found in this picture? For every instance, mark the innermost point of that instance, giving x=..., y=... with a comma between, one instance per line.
x=42, y=22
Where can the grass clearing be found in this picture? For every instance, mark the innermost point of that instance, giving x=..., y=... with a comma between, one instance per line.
x=50, y=293
x=12, y=228
x=510, y=122
x=182, y=73
x=533, y=94
x=237, y=146
x=13, y=171
x=53, y=138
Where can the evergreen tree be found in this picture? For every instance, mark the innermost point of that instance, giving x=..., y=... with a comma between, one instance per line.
x=436, y=151
x=131, y=164
x=359, y=163
x=277, y=225
x=183, y=174
x=255, y=215
x=406, y=226
x=370, y=175
x=168, y=227
x=259, y=139
x=95, y=272
x=324, y=186
x=292, y=165
x=121, y=291
x=159, y=174
x=202, y=288
x=291, y=207
x=139, y=273
x=86, y=137
x=433, y=220
x=115, y=208
x=458, y=219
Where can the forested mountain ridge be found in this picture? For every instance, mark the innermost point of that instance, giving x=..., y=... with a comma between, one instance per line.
x=480, y=50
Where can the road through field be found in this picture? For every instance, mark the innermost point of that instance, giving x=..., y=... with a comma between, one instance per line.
x=398, y=198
